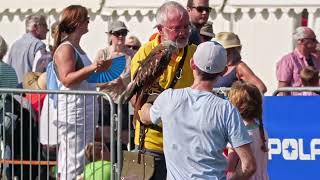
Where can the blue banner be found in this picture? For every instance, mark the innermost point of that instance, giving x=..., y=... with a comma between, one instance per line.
x=293, y=126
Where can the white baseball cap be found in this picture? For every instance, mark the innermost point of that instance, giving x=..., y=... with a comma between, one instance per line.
x=210, y=57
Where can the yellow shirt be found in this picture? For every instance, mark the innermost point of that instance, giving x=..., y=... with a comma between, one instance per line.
x=153, y=139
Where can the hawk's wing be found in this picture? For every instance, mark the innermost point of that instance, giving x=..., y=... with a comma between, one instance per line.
x=151, y=68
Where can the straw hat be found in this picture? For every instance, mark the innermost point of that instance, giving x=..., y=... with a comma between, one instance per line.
x=35, y=80
x=207, y=30
x=228, y=39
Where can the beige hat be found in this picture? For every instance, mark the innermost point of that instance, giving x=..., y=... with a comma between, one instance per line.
x=35, y=80
x=207, y=30
x=228, y=39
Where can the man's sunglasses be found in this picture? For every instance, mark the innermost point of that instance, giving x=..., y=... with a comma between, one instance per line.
x=120, y=33
x=314, y=40
x=200, y=9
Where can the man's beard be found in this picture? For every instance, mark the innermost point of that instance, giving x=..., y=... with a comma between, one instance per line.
x=181, y=43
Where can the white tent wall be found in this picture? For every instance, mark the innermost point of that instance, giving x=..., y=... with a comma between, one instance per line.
x=265, y=29
x=265, y=37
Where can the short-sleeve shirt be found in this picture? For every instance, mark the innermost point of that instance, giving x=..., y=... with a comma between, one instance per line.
x=290, y=65
x=22, y=54
x=153, y=140
x=197, y=126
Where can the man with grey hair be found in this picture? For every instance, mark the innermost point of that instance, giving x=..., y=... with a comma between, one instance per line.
x=7, y=74
x=290, y=65
x=26, y=51
x=173, y=24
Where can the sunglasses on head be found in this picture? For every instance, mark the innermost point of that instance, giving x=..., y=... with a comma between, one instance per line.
x=132, y=47
x=200, y=9
x=120, y=33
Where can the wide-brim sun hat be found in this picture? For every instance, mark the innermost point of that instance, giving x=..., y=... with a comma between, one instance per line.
x=228, y=39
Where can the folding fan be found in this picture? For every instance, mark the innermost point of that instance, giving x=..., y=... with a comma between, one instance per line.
x=117, y=67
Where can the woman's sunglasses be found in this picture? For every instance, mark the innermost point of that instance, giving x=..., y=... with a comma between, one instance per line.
x=132, y=47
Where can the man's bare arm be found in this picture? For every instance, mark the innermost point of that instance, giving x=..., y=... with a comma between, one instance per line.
x=248, y=163
x=144, y=114
x=283, y=84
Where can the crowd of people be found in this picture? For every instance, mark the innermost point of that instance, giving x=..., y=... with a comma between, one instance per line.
x=189, y=132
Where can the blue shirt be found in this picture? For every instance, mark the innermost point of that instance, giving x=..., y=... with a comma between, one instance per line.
x=22, y=54
x=194, y=37
x=197, y=126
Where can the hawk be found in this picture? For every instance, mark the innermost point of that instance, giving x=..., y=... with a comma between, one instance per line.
x=151, y=68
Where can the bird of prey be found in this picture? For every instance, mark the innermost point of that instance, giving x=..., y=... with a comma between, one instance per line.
x=151, y=68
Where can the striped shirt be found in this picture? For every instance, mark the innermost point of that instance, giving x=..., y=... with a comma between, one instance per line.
x=8, y=76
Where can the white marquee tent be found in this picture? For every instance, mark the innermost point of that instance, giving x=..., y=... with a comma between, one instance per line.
x=265, y=27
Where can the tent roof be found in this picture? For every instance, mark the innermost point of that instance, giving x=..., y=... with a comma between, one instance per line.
x=146, y=6
x=45, y=5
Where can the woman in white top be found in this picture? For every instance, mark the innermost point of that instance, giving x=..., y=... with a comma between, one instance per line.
x=76, y=114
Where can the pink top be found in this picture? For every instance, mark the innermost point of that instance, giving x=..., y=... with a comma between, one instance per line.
x=260, y=156
x=289, y=67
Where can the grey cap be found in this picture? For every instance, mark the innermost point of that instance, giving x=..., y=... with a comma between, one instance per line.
x=210, y=57
x=207, y=30
x=117, y=26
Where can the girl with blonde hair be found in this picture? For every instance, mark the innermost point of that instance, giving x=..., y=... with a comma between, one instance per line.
x=248, y=99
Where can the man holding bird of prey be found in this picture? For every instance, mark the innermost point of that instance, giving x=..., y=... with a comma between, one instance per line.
x=174, y=26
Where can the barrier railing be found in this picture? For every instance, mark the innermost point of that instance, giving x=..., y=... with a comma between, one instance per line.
x=71, y=118
x=296, y=89
x=119, y=141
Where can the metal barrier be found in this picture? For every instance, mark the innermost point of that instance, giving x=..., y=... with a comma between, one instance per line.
x=119, y=141
x=296, y=89
x=26, y=148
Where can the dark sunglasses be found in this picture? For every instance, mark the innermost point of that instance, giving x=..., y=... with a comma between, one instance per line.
x=132, y=47
x=314, y=40
x=120, y=33
x=87, y=19
x=200, y=9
